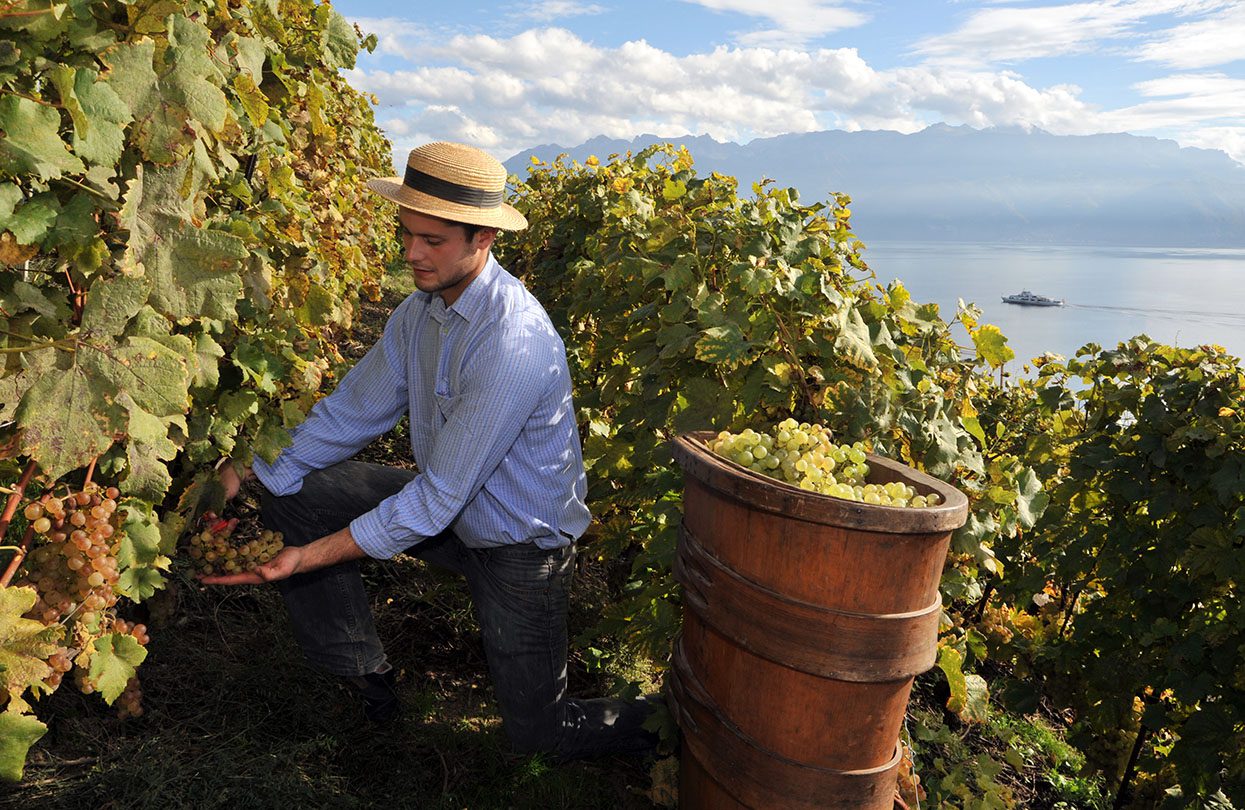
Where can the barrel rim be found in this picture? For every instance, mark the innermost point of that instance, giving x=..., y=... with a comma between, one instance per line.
x=758, y=491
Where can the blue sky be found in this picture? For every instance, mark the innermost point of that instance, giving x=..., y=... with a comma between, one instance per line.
x=507, y=76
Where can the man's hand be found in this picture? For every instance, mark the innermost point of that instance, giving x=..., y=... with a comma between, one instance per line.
x=287, y=563
x=231, y=480
x=331, y=549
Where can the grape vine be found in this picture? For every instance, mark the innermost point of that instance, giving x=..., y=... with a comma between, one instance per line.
x=184, y=228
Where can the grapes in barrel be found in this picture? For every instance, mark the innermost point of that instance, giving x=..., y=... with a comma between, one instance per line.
x=805, y=455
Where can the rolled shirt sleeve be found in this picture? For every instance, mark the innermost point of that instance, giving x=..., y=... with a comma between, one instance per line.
x=367, y=403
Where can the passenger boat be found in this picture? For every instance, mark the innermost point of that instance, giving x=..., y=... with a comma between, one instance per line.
x=1032, y=299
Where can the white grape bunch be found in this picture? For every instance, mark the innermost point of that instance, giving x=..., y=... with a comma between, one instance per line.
x=216, y=551
x=805, y=456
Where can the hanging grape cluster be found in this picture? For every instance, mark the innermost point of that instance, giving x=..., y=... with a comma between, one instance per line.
x=806, y=456
x=73, y=566
x=216, y=551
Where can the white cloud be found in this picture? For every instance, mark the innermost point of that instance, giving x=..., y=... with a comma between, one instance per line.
x=394, y=36
x=1183, y=101
x=1227, y=139
x=1006, y=35
x=551, y=86
x=549, y=10
x=1218, y=39
x=794, y=21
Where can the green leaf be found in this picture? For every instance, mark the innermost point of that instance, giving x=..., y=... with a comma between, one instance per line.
x=26, y=296
x=341, y=43
x=674, y=189
x=31, y=144
x=170, y=100
x=142, y=542
x=1031, y=500
x=112, y=302
x=973, y=426
x=194, y=272
x=17, y=733
x=977, y=700
x=32, y=220
x=140, y=583
x=969, y=694
x=99, y=115
x=722, y=344
x=155, y=376
x=10, y=195
x=67, y=418
x=209, y=354
x=114, y=661
x=992, y=345
x=854, y=341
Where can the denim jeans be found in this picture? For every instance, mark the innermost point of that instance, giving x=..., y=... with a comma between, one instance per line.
x=519, y=595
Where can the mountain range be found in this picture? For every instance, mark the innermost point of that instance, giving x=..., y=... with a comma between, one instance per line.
x=1003, y=185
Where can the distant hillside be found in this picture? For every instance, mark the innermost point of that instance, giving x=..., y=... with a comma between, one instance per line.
x=995, y=185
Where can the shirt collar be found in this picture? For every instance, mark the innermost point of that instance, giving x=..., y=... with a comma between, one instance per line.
x=471, y=303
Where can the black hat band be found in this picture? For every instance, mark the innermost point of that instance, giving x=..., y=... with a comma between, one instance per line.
x=450, y=192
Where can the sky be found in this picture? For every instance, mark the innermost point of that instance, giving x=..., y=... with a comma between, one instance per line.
x=509, y=76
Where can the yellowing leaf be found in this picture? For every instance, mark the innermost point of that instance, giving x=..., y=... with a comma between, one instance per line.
x=251, y=98
x=992, y=345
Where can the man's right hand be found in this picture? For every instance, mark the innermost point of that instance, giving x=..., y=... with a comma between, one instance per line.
x=231, y=480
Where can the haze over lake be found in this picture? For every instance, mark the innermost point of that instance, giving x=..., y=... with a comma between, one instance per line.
x=1183, y=297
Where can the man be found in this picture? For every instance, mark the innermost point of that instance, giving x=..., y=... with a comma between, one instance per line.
x=474, y=361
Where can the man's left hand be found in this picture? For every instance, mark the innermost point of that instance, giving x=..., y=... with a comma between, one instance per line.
x=287, y=563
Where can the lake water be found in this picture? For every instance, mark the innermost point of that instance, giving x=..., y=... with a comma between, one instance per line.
x=1183, y=297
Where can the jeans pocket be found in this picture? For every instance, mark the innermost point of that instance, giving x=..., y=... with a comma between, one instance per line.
x=523, y=568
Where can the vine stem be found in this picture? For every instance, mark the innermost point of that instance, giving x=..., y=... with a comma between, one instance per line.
x=15, y=497
x=90, y=471
x=10, y=509
x=10, y=14
x=17, y=558
x=52, y=104
x=785, y=341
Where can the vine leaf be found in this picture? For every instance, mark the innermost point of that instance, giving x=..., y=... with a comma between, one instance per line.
x=25, y=644
x=112, y=302
x=969, y=695
x=992, y=345
x=99, y=115
x=193, y=272
x=113, y=662
x=31, y=142
x=722, y=344
x=1032, y=499
x=17, y=733
x=853, y=339
x=340, y=43
x=141, y=558
x=67, y=419
x=172, y=101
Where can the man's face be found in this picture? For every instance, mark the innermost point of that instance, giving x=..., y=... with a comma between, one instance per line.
x=441, y=257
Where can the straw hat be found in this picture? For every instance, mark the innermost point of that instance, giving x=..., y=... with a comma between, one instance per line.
x=453, y=181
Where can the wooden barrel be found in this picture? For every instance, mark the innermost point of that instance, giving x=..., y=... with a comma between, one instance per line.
x=805, y=620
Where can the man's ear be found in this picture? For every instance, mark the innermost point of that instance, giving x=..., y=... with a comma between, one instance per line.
x=485, y=237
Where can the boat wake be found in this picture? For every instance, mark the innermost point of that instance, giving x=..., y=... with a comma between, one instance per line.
x=1199, y=314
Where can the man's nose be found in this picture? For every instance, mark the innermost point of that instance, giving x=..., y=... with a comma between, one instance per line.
x=414, y=251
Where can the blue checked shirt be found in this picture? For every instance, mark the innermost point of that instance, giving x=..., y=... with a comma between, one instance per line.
x=493, y=430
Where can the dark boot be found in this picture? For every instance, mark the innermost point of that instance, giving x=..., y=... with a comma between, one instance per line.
x=380, y=699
